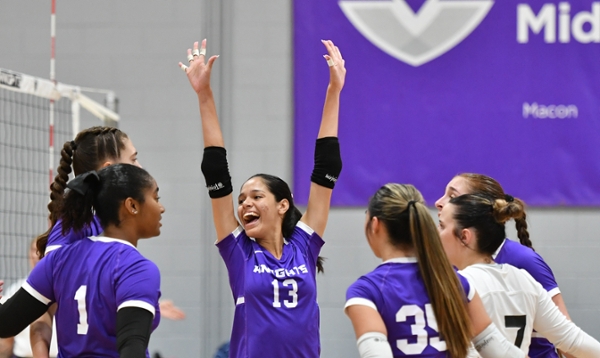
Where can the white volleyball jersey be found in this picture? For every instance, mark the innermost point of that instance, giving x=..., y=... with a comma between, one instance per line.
x=510, y=296
x=518, y=304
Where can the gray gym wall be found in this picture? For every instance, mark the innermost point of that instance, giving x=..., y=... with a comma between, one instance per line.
x=133, y=47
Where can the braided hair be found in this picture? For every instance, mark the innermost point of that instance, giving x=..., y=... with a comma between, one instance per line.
x=88, y=151
x=483, y=184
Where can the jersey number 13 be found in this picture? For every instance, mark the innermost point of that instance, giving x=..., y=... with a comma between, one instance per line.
x=292, y=287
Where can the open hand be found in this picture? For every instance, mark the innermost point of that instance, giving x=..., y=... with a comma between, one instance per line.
x=198, y=72
x=337, y=69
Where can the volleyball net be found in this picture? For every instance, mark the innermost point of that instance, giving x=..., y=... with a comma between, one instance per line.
x=37, y=116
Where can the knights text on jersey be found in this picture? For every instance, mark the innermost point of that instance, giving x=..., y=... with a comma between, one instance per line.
x=91, y=280
x=276, y=312
x=397, y=291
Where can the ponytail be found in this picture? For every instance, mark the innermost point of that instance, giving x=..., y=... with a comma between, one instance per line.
x=488, y=216
x=522, y=232
x=402, y=210
x=441, y=282
x=57, y=190
x=483, y=184
x=290, y=220
x=86, y=152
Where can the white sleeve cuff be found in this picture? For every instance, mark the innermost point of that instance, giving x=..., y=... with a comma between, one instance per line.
x=360, y=302
x=138, y=304
x=33, y=292
x=374, y=345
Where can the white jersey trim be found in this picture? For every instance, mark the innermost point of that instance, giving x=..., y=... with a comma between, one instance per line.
x=307, y=229
x=499, y=248
x=238, y=230
x=51, y=248
x=359, y=301
x=38, y=296
x=553, y=292
x=240, y=301
x=400, y=260
x=109, y=240
x=472, y=290
x=138, y=304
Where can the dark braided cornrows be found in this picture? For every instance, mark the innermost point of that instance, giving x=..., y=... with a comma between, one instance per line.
x=483, y=184
x=90, y=149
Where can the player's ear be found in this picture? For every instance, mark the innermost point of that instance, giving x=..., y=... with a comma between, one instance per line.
x=468, y=238
x=375, y=225
x=283, y=206
x=131, y=206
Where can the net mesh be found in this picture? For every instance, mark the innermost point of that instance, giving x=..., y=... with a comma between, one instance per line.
x=24, y=173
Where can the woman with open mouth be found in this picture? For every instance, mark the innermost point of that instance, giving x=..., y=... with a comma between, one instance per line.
x=272, y=253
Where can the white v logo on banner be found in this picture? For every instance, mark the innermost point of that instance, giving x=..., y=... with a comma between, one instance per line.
x=416, y=38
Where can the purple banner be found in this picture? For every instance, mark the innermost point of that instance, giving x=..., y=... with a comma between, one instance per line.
x=434, y=88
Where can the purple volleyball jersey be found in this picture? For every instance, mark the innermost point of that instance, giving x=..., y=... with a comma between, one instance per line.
x=276, y=312
x=523, y=257
x=91, y=280
x=56, y=239
x=397, y=291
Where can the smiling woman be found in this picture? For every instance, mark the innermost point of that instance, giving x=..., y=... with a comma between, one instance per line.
x=273, y=254
x=102, y=282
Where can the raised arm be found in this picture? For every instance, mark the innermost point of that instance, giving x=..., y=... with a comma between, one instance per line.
x=214, y=163
x=327, y=158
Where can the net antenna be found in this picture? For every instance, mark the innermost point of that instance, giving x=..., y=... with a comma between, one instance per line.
x=25, y=136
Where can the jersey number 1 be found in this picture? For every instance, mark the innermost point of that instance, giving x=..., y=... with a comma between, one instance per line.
x=82, y=326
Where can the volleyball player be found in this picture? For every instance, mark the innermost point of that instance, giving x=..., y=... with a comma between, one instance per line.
x=272, y=253
x=107, y=292
x=472, y=229
x=411, y=300
x=92, y=149
x=520, y=255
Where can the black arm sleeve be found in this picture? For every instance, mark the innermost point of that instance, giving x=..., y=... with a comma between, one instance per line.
x=133, y=331
x=328, y=162
x=18, y=312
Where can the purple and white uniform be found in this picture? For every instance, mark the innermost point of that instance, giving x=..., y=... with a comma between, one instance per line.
x=56, y=239
x=276, y=312
x=520, y=256
x=91, y=280
x=396, y=290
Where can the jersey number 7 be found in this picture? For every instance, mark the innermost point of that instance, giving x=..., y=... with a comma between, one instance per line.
x=516, y=322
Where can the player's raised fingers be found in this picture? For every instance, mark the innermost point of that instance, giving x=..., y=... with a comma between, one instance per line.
x=211, y=60
x=195, y=52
